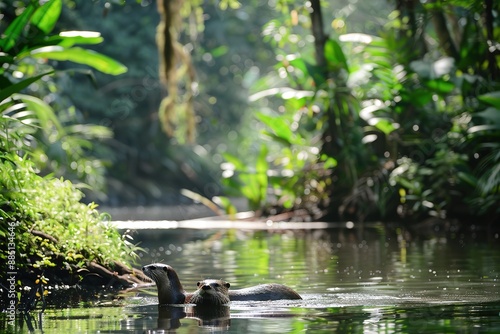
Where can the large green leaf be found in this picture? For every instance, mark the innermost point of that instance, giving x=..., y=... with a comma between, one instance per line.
x=45, y=17
x=69, y=38
x=45, y=114
x=309, y=70
x=16, y=88
x=492, y=99
x=334, y=55
x=490, y=116
x=440, y=86
x=384, y=125
x=81, y=56
x=15, y=29
x=278, y=126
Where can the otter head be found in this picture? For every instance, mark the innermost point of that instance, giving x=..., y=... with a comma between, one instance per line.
x=211, y=292
x=170, y=289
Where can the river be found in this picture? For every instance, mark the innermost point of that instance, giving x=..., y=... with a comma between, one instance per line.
x=354, y=278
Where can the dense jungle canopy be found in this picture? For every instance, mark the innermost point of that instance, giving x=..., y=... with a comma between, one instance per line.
x=324, y=109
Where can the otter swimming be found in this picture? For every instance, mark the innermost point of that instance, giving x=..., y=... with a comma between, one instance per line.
x=170, y=290
x=211, y=292
x=263, y=292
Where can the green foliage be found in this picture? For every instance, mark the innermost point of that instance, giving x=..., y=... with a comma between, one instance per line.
x=483, y=138
x=143, y=165
x=44, y=217
x=28, y=35
x=423, y=117
x=252, y=181
x=81, y=56
x=312, y=99
x=34, y=203
x=56, y=142
x=411, y=133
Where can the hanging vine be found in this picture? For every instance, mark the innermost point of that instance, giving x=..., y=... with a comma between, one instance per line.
x=177, y=74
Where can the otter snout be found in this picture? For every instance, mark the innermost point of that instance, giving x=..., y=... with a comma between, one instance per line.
x=148, y=267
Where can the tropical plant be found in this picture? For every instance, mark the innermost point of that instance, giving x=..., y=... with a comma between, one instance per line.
x=423, y=107
x=44, y=220
x=56, y=141
x=403, y=121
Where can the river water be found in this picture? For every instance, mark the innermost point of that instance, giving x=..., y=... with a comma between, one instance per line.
x=353, y=279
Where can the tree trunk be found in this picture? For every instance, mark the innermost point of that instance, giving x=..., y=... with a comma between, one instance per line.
x=443, y=33
x=318, y=33
x=330, y=133
x=491, y=56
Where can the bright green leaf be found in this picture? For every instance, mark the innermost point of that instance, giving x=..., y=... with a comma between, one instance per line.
x=219, y=51
x=383, y=125
x=15, y=29
x=297, y=63
x=328, y=162
x=45, y=17
x=262, y=166
x=334, y=55
x=278, y=126
x=81, y=56
x=69, y=38
x=440, y=86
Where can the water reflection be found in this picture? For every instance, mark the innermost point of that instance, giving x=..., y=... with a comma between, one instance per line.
x=337, y=261
x=169, y=317
x=352, y=280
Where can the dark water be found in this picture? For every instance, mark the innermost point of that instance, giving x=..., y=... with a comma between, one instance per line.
x=361, y=280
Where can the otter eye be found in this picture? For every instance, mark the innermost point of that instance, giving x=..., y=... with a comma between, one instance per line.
x=216, y=285
x=198, y=284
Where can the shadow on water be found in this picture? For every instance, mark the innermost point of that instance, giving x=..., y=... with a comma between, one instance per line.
x=355, y=280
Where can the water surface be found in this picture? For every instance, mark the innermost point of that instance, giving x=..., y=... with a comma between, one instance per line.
x=354, y=280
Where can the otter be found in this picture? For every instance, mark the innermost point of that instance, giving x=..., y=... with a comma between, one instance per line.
x=170, y=290
x=210, y=292
x=263, y=292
